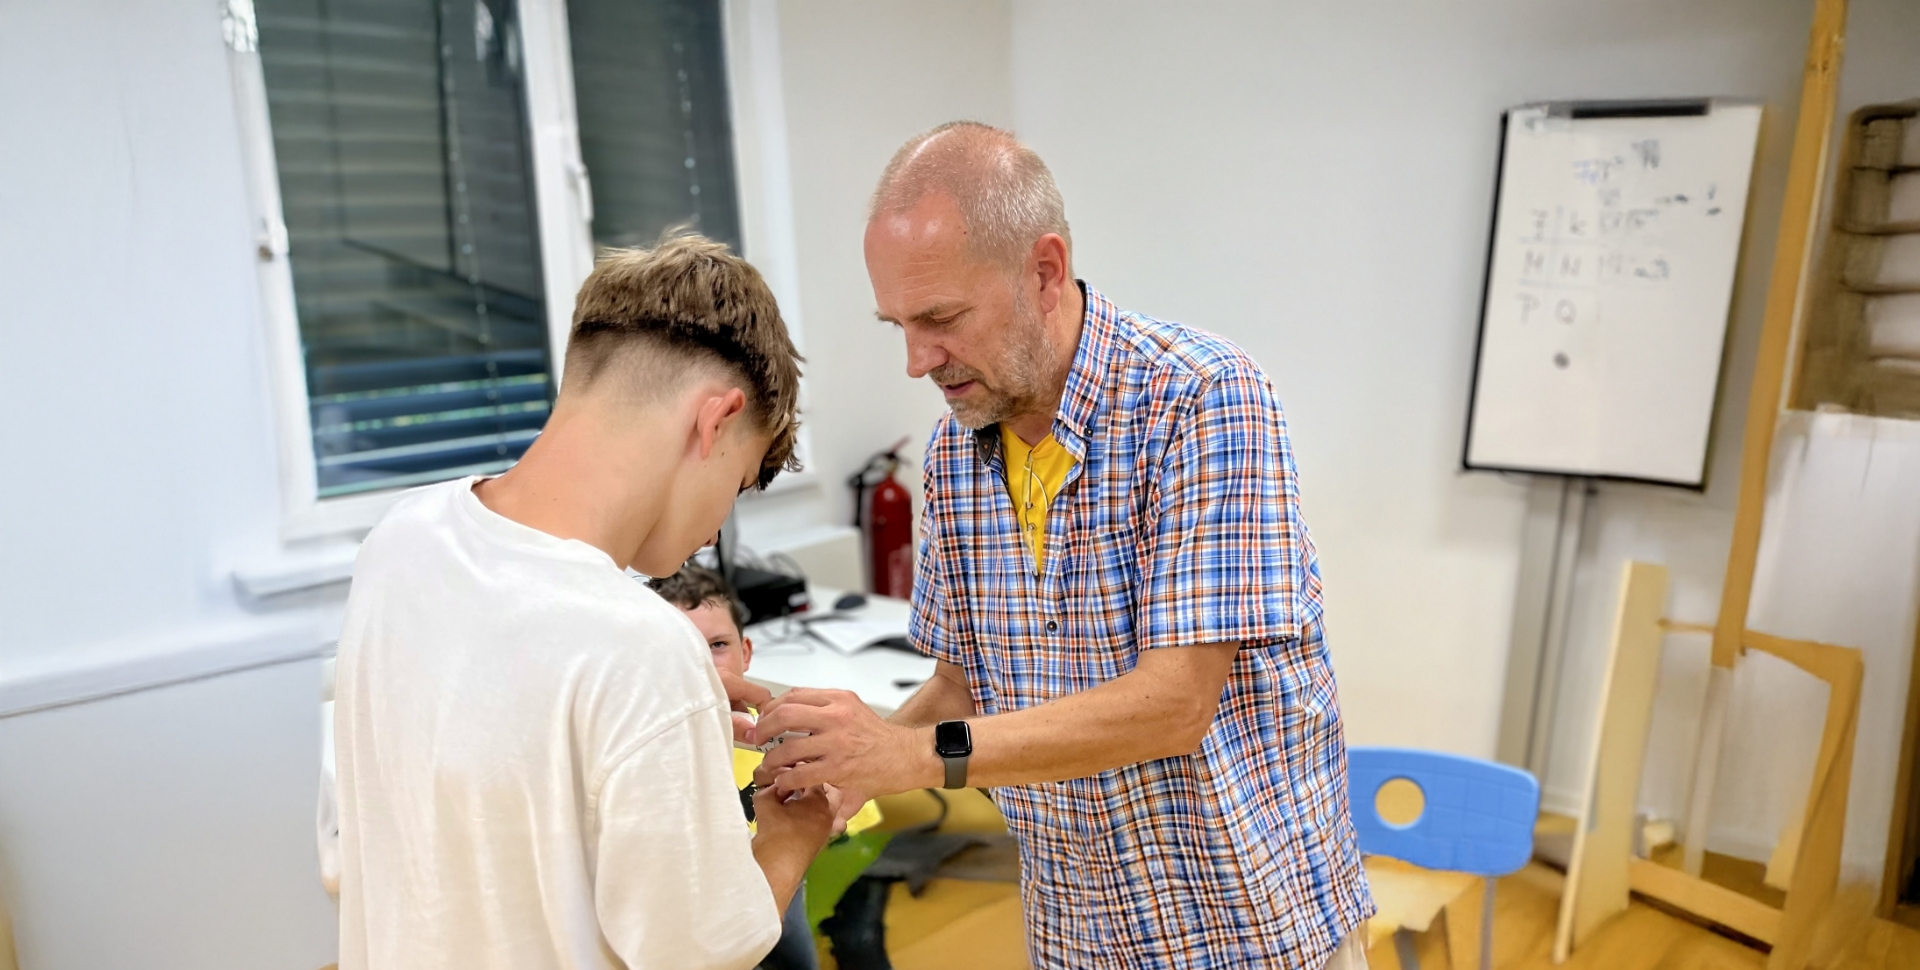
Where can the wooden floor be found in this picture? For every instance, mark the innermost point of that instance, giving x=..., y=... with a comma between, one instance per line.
x=971, y=925
x=964, y=925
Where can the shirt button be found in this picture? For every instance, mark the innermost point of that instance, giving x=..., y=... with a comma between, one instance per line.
x=1053, y=626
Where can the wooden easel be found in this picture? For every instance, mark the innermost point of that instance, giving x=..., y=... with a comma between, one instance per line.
x=1603, y=869
x=1808, y=860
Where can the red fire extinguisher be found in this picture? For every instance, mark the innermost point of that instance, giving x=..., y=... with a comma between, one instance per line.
x=883, y=511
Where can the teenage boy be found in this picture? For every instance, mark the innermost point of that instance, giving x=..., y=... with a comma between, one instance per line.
x=533, y=748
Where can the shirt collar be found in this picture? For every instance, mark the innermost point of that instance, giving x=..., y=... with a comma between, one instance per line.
x=1083, y=396
x=1086, y=381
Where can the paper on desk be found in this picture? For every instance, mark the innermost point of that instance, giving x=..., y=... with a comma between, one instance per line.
x=853, y=633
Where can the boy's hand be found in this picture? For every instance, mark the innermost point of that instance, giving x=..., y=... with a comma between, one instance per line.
x=788, y=834
x=805, y=819
x=741, y=695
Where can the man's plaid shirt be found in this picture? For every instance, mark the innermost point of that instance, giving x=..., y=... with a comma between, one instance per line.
x=1179, y=526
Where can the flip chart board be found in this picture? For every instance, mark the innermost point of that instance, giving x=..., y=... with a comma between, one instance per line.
x=1616, y=233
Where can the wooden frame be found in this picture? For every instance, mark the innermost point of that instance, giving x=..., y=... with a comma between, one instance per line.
x=1808, y=862
x=1786, y=298
x=1903, y=839
x=1815, y=873
x=1597, y=874
x=1602, y=869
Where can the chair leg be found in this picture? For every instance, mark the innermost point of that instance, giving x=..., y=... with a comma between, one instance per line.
x=1463, y=927
x=1403, y=948
x=1486, y=925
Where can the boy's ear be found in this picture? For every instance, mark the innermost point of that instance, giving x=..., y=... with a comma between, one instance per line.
x=746, y=651
x=717, y=412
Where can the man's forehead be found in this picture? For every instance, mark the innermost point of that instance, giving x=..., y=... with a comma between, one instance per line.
x=922, y=278
x=934, y=220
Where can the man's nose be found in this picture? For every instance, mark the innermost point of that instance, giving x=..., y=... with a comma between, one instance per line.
x=923, y=356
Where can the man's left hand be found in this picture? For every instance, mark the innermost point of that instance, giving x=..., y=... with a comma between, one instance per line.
x=847, y=746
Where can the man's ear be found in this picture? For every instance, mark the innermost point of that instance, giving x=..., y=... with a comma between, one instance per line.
x=1050, y=270
x=716, y=415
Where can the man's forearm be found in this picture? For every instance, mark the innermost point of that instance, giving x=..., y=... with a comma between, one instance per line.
x=944, y=697
x=1161, y=709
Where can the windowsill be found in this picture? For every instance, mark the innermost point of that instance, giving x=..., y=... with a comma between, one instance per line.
x=329, y=561
x=789, y=482
x=295, y=571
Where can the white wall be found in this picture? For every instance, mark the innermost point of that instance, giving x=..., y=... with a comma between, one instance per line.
x=1314, y=181
x=859, y=83
x=1322, y=180
x=171, y=828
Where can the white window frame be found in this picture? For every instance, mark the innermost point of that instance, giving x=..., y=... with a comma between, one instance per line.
x=563, y=202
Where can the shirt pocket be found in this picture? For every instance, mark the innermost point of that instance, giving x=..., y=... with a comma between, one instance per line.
x=1100, y=601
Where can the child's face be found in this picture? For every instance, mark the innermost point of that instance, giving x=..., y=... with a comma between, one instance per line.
x=731, y=651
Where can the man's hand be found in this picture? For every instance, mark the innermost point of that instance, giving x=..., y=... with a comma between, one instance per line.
x=743, y=694
x=851, y=802
x=848, y=746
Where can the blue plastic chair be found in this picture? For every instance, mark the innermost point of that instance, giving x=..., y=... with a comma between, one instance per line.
x=1478, y=819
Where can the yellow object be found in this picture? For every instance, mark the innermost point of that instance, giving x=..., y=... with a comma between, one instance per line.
x=1035, y=474
x=745, y=761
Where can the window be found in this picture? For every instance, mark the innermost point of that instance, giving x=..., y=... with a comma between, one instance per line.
x=650, y=87
x=427, y=288
x=400, y=140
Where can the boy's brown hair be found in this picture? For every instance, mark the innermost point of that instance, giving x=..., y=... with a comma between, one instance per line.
x=696, y=586
x=685, y=302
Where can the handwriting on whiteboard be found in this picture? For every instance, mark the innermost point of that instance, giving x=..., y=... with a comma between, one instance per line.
x=1614, y=249
x=1611, y=231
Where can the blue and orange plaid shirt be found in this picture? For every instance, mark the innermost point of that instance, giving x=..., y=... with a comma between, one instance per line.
x=1178, y=526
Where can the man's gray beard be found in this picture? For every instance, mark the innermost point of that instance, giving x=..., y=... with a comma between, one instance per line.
x=1026, y=370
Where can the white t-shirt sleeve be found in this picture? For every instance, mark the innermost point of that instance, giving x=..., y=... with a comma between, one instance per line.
x=675, y=880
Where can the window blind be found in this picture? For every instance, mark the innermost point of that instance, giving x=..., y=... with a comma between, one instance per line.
x=650, y=88
x=402, y=146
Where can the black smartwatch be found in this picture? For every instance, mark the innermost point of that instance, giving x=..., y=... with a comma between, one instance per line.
x=953, y=742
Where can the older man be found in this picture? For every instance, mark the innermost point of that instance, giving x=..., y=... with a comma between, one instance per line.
x=1119, y=590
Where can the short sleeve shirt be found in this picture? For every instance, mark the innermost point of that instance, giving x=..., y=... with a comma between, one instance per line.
x=1178, y=525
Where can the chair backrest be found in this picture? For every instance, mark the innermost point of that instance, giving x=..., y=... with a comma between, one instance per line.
x=1477, y=816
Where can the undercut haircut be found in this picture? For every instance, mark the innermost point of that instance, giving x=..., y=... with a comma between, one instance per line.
x=696, y=586
x=1004, y=192
x=655, y=317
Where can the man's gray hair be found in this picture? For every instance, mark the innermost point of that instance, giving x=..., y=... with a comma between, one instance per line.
x=1003, y=190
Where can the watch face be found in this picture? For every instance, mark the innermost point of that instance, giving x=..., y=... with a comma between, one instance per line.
x=952, y=739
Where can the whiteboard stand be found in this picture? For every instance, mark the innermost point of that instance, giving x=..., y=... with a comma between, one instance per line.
x=1543, y=607
x=1616, y=233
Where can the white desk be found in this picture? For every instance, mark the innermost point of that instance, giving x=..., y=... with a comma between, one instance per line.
x=785, y=656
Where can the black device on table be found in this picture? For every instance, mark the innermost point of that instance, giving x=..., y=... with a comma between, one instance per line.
x=766, y=594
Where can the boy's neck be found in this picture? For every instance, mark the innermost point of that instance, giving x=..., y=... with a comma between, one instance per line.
x=589, y=479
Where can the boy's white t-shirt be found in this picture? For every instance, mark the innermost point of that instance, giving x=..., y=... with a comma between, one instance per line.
x=534, y=760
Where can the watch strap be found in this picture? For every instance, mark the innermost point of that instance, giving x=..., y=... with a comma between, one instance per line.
x=956, y=771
